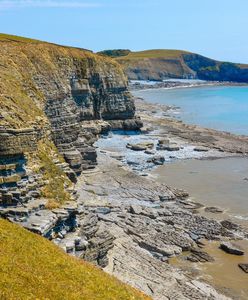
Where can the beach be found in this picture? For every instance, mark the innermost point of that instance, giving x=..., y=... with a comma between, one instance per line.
x=207, y=166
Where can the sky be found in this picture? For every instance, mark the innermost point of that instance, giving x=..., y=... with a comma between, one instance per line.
x=214, y=28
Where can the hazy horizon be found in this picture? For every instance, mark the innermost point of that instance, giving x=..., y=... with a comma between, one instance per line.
x=215, y=30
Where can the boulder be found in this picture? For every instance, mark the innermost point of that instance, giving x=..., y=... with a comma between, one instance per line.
x=81, y=245
x=162, y=144
x=156, y=160
x=214, y=210
x=69, y=247
x=244, y=267
x=229, y=225
x=150, y=152
x=200, y=149
x=231, y=248
x=135, y=209
x=171, y=147
x=198, y=255
x=7, y=198
x=140, y=146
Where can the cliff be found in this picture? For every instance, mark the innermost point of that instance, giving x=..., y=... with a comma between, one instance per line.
x=54, y=102
x=163, y=64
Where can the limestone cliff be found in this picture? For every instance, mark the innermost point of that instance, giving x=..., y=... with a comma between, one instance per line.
x=163, y=64
x=58, y=95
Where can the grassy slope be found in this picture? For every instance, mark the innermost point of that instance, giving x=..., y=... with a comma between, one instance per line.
x=9, y=37
x=159, y=53
x=153, y=63
x=33, y=268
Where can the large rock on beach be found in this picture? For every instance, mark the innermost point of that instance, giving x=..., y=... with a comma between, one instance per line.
x=156, y=160
x=140, y=146
x=231, y=248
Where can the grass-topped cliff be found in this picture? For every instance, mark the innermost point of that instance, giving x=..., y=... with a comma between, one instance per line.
x=161, y=64
x=33, y=71
x=155, y=64
x=50, y=89
x=159, y=53
x=33, y=268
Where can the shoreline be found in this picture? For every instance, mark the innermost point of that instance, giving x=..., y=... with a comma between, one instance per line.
x=159, y=124
x=169, y=85
x=159, y=116
x=123, y=188
x=219, y=190
x=227, y=145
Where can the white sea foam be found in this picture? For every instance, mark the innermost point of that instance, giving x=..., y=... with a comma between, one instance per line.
x=115, y=144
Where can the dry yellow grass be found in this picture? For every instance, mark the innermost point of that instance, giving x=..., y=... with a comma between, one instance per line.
x=158, y=53
x=9, y=37
x=33, y=268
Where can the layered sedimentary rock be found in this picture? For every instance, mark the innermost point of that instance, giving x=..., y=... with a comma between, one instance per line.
x=60, y=88
x=54, y=102
x=16, y=141
x=51, y=91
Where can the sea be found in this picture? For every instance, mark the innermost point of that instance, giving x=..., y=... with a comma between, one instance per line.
x=218, y=107
x=222, y=182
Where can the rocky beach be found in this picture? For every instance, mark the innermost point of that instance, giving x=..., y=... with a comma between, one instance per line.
x=162, y=140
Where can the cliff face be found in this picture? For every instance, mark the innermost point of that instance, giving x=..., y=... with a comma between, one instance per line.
x=209, y=69
x=155, y=65
x=61, y=95
x=162, y=64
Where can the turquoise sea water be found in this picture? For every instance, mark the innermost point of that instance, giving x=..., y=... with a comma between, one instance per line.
x=223, y=108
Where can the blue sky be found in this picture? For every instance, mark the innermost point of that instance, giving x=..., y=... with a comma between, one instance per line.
x=215, y=28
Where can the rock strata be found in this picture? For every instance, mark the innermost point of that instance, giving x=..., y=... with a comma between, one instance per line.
x=198, y=255
x=143, y=224
x=64, y=97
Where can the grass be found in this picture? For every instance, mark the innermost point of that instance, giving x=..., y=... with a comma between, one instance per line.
x=115, y=52
x=9, y=37
x=159, y=53
x=32, y=267
x=54, y=190
x=215, y=68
